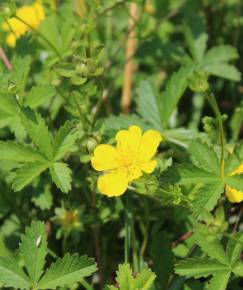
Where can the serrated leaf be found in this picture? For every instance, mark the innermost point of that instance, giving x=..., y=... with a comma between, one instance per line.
x=212, y=248
x=234, y=247
x=219, y=281
x=196, y=37
x=187, y=173
x=19, y=74
x=33, y=249
x=205, y=156
x=65, y=140
x=61, y=175
x=39, y=95
x=174, y=90
x=66, y=271
x=221, y=53
x=237, y=269
x=223, y=70
x=27, y=173
x=235, y=181
x=124, y=121
x=207, y=197
x=147, y=106
x=11, y=275
x=199, y=267
x=144, y=280
x=19, y=152
x=124, y=277
x=38, y=132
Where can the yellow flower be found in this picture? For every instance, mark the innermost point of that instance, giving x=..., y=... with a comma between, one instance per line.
x=127, y=161
x=233, y=194
x=33, y=15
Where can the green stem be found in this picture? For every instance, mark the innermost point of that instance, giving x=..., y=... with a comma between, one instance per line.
x=41, y=36
x=86, y=285
x=214, y=105
x=127, y=241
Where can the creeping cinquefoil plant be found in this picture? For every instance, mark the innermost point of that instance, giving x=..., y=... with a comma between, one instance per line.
x=121, y=145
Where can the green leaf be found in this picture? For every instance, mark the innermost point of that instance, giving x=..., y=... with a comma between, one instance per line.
x=33, y=249
x=221, y=53
x=236, y=123
x=65, y=140
x=124, y=277
x=238, y=269
x=212, y=248
x=195, y=37
x=39, y=95
x=144, y=280
x=147, y=106
x=187, y=173
x=235, y=181
x=61, y=175
x=199, y=267
x=66, y=271
x=11, y=275
x=205, y=156
x=162, y=259
x=19, y=152
x=27, y=173
x=234, y=247
x=207, y=197
x=174, y=90
x=38, y=132
x=219, y=281
x=223, y=70
x=124, y=121
x=19, y=74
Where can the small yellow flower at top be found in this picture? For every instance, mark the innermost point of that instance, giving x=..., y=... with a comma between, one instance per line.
x=126, y=162
x=32, y=14
x=233, y=194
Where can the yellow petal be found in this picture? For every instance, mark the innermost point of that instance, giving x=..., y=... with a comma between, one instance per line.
x=11, y=40
x=238, y=170
x=105, y=158
x=149, y=167
x=134, y=172
x=233, y=194
x=129, y=140
x=114, y=183
x=149, y=144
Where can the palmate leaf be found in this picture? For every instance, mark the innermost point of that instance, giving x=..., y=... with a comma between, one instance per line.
x=65, y=140
x=199, y=267
x=212, y=248
x=235, y=181
x=219, y=281
x=39, y=95
x=27, y=173
x=207, y=197
x=125, y=279
x=187, y=173
x=66, y=271
x=33, y=249
x=223, y=70
x=147, y=106
x=204, y=156
x=61, y=175
x=19, y=152
x=38, y=132
x=11, y=275
x=174, y=90
x=124, y=121
x=144, y=280
x=234, y=247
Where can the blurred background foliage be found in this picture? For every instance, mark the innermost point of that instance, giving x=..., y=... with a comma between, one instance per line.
x=72, y=70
